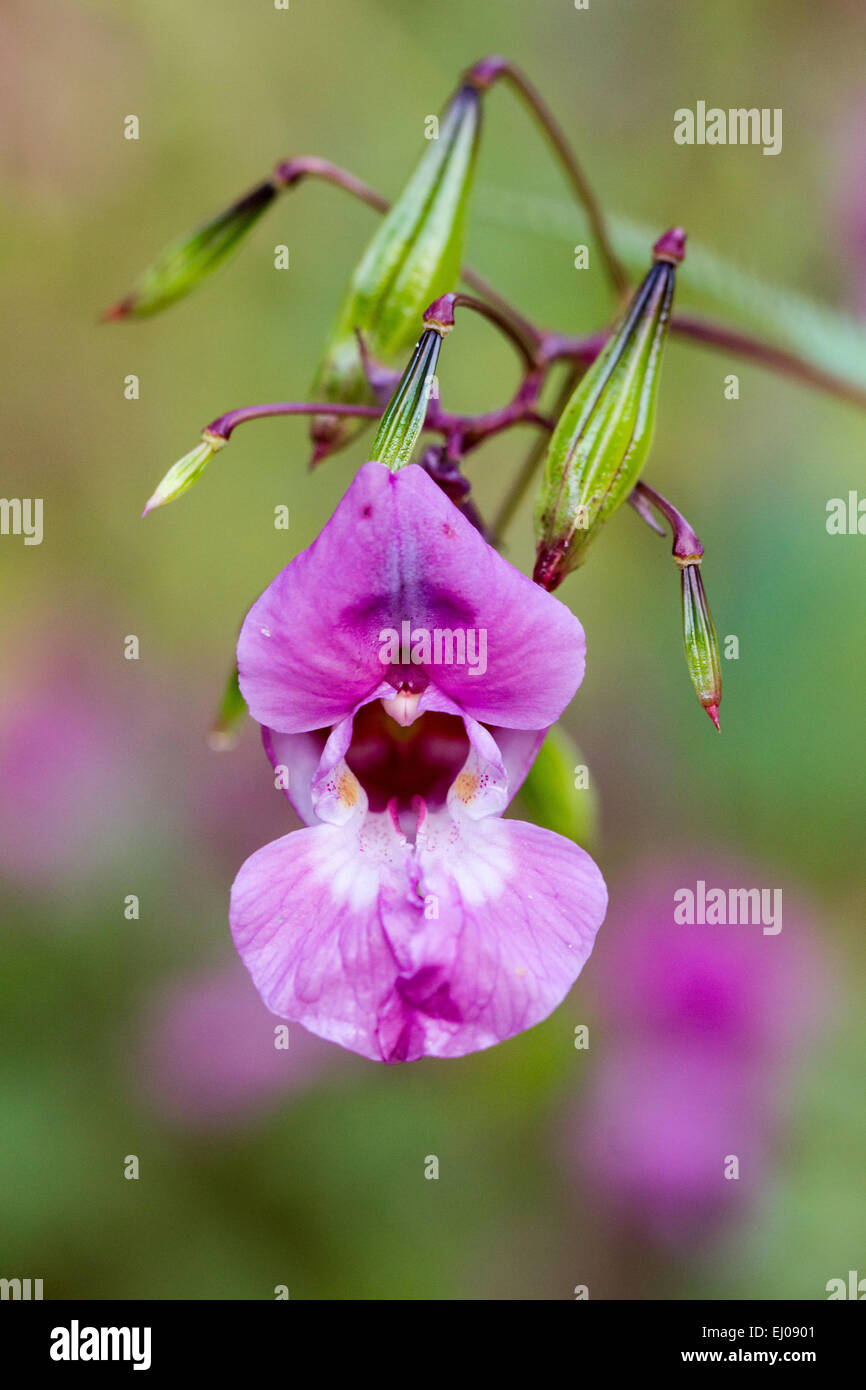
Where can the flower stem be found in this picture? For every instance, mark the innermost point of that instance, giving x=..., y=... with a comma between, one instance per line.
x=483, y=74
x=687, y=548
x=222, y=427
x=447, y=303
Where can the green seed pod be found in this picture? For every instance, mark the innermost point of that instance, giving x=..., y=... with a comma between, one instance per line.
x=603, y=436
x=405, y=413
x=187, y=471
x=187, y=261
x=413, y=258
x=699, y=639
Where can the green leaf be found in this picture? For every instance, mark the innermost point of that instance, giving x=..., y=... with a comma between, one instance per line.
x=230, y=715
x=552, y=794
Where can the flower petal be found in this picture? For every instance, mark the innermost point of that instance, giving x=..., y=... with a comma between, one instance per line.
x=522, y=907
x=296, y=757
x=308, y=916
x=477, y=936
x=397, y=550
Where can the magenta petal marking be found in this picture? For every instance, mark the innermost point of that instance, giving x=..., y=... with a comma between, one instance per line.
x=397, y=550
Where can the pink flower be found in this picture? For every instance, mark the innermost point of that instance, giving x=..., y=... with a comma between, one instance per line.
x=730, y=988
x=702, y=1028
x=210, y=1054
x=66, y=809
x=410, y=919
x=661, y=1126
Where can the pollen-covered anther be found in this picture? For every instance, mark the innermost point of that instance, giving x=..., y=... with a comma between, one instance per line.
x=466, y=786
x=347, y=788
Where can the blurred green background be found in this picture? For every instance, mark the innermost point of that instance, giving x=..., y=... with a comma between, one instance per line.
x=313, y=1176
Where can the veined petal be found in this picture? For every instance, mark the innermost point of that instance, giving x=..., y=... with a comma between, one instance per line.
x=522, y=907
x=397, y=550
x=472, y=938
x=308, y=918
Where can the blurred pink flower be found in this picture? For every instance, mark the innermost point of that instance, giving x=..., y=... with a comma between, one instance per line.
x=208, y=1054
x=73, y=783
x=659, y=1125
x=700, y=1030
x=729, y=988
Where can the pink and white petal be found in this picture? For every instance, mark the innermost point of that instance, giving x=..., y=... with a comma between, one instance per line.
x=295, y=758
x=518, y=908
x=510, y=752
x=518, y=749
x=308, y=915
x=481, y=786
x=342, y=932
x=396, y=550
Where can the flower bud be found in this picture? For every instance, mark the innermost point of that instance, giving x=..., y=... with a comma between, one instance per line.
x=404, y=416
x=699, y=639
x=186, y=262
x=181, y=476
x=603, y=436
x=414, y=256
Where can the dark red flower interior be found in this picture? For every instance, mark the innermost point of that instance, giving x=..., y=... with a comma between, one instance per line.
x=420, y=760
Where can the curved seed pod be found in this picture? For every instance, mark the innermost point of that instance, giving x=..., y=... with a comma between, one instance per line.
x=699, y=634
x=189, y=259
x=414, y=257
x=603, y=436
x=700, y=642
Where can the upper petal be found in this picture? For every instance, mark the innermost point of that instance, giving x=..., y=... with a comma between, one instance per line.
x=397, y=550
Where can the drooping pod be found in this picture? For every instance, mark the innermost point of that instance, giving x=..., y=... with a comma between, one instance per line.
x=603, y=436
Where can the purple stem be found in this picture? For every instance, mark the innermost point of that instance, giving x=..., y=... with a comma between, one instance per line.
x=223, y=426
x=442, y=311
x=687, y=549
x=556, y=347
x=489, y=70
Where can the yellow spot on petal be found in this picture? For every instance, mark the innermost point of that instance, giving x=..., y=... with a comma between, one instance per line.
x=521, y=971
x=466, y=786
x=347, y=788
